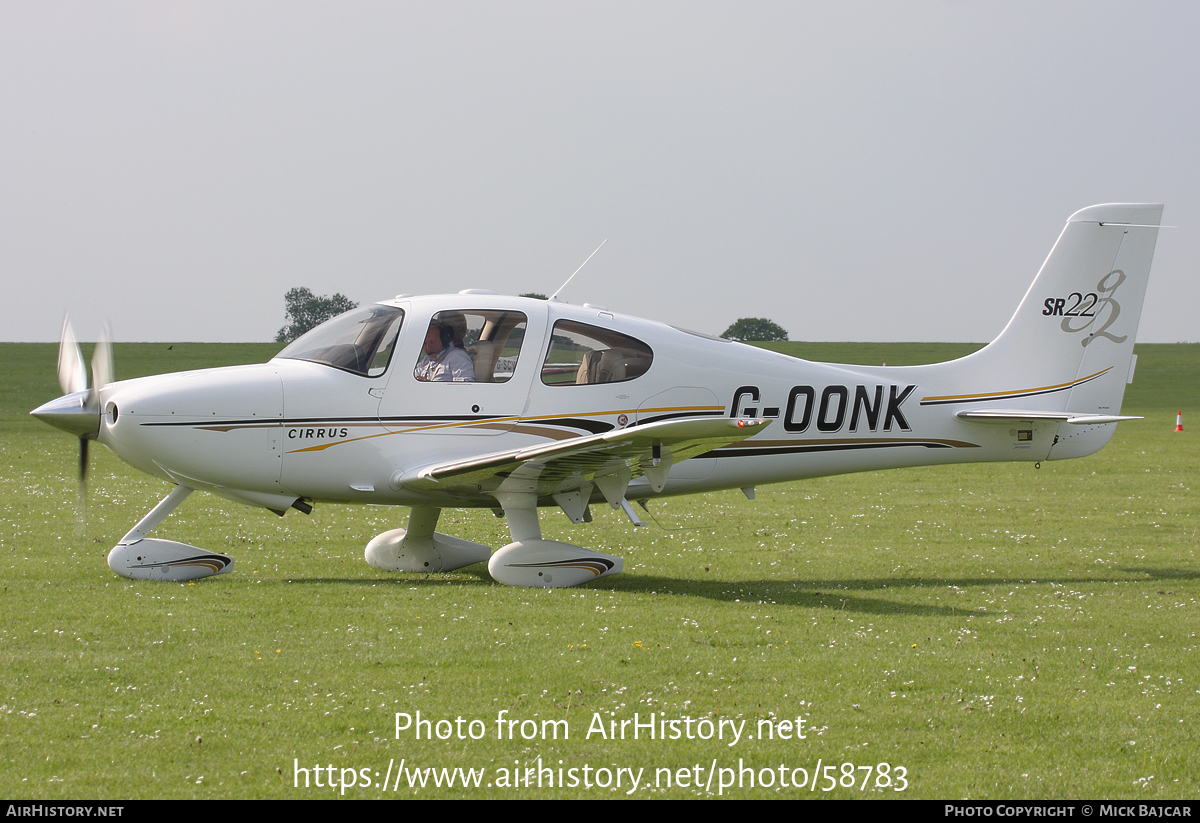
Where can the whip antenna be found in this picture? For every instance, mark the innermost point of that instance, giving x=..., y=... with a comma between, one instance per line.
x=572, y=277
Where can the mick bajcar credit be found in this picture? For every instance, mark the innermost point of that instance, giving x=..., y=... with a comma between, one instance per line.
x=1078, y=810
x=716, y=776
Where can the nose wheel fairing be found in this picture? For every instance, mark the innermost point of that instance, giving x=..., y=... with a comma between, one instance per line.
x=152, y=559
x=139, y=557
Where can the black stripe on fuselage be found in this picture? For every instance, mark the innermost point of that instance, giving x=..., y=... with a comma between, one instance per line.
x=334, y=421
x=590, y=426
x=768, y=451
x=678, y=416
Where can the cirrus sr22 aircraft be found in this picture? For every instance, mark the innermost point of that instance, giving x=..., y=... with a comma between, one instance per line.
x=571, y=406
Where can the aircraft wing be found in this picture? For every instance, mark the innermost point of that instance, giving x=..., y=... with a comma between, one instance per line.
x=609, y=460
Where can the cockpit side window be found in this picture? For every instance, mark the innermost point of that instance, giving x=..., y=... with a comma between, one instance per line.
x=581, y=354
x=361, y=341
x=471, y=346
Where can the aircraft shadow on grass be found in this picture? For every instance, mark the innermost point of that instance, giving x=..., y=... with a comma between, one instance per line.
x=837, y=594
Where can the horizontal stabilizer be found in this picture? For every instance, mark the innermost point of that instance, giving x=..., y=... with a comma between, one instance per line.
x=1009, y=415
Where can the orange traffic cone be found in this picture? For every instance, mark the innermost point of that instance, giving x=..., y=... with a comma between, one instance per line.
x=1179, y=421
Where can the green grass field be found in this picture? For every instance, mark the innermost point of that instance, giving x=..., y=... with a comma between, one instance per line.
x=994, y=631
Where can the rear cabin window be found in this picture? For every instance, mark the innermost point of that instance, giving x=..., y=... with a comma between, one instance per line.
x=582, y=355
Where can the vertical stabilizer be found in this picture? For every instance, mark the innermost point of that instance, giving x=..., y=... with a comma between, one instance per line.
x=1069, y=346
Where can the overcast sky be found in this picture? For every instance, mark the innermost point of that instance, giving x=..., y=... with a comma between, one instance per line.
x=853, y=171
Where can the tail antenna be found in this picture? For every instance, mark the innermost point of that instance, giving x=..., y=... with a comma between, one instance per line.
x=572, y=277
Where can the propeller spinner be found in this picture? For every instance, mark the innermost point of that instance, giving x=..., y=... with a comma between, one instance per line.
x=77, y=412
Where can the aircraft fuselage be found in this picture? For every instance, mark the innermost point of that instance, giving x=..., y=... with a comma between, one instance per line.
x=300, y=429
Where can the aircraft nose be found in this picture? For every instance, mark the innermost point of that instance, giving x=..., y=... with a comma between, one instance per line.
x=71, y=414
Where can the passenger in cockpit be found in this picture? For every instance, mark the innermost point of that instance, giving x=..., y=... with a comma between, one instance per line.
x=443, y=361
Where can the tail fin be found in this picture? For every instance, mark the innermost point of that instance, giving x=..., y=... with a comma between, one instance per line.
x=1069, y=347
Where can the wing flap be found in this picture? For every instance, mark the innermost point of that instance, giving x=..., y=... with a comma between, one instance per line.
x=649, y=449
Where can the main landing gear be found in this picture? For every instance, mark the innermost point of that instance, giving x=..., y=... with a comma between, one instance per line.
x=528, y=561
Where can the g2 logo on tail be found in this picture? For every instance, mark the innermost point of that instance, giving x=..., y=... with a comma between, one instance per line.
x=1090, y=305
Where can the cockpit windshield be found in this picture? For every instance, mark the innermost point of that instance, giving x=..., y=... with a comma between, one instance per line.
x=360, y=341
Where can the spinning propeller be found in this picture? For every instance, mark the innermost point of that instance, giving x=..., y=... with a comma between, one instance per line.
x=78, y=410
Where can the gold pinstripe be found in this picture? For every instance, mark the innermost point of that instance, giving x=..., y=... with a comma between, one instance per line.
x=1001, y=394
x=492, y=423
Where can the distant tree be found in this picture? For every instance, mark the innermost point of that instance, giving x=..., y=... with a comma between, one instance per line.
x=305, y=311
x=535, y=296
x=754, y=328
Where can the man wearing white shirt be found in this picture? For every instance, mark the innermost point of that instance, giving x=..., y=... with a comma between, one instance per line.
x=443, y=361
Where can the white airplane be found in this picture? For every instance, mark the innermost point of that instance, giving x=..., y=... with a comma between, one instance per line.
x=547, y=404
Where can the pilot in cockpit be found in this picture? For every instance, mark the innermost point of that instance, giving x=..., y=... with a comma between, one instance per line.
x=444, y=362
